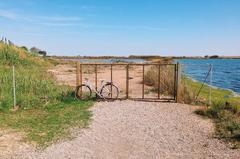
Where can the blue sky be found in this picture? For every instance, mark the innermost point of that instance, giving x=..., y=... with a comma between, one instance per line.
x=124, y=27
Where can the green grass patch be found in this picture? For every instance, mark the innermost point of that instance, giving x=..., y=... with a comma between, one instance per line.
x=46, y=110
x=227, y=122
x=45, y=125
x=218, y=95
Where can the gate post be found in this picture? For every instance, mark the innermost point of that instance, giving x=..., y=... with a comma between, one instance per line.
x=127, y=80
x=177, y=82
x=143, y=81
x=77, y=74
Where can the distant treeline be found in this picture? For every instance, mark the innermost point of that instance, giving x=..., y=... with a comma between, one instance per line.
x=206, y=57
x=147, y=57
x=109, y=57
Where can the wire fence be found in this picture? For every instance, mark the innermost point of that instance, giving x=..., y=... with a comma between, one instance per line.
x=198, y=79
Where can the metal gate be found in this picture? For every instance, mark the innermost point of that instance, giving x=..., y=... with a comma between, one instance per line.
x=147, y=82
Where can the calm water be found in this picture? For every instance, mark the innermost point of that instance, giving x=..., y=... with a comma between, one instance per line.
x=226, y=72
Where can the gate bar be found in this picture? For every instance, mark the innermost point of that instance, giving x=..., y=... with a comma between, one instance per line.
x=177, y=84
x=111, y=80
x=96, y=77
x=143, y=82
x=78, y=74
x=175, y=78
x=159, y=81
x=124, y=64
x=81, y=79
x=127, y=80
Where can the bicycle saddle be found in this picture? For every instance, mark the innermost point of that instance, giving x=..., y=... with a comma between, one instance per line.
x=102, y=80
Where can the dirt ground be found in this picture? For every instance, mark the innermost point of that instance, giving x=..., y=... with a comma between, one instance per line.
x=11, y=141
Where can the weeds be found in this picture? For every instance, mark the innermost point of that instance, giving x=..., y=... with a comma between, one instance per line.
x=227, y=119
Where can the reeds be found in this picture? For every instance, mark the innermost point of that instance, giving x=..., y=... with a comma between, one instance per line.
x=166, y=80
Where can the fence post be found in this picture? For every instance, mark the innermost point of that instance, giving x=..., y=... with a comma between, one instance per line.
x=143, y=81
x=210, y=87
x=176, y=81
x=96, y=78
x=77, y=74
x=159, y=75
x=127, y=80
x=14, y=87
x=111, y=79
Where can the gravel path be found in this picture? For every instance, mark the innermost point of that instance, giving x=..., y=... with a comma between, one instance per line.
x=128, y=129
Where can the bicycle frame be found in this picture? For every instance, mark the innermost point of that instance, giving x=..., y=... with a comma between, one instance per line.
x=97, y=91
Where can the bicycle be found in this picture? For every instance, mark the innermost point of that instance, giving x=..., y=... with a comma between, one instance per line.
x=107, y=90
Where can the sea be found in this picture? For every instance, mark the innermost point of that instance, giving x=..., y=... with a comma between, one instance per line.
x=225, y=72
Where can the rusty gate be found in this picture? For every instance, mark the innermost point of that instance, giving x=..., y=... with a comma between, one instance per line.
x=136, y=81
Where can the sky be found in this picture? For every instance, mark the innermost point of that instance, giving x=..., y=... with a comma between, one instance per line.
x=124, y=27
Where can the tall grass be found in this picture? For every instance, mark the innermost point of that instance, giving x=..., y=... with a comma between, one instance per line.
x=46, y=110
x=166, y=79
x=34, y=88
x=12, y=55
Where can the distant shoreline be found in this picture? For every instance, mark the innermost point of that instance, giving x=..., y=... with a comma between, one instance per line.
x=143, y=57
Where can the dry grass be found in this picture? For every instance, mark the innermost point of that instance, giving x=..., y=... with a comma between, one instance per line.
x=166, y=80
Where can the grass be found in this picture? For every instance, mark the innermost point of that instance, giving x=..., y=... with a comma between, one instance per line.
x=45, y=125
x=46, y=111
x=227, y=122
x=218, y=95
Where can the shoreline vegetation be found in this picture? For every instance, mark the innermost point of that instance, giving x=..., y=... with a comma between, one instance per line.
x=45, y=111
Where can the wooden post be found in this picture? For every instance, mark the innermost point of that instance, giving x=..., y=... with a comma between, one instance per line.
x=176, y=83
x=96, y=78
x=14, y=88
x=127, y=80
x=111, y=79
x=81, y=72
x=159, y=67
x=143, y=82
x=77, y=74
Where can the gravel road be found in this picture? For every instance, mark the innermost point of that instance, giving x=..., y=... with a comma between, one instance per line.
x=128, y=129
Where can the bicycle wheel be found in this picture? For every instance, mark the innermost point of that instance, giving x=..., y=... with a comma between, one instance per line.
x=107, y=93
x=83, y=92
